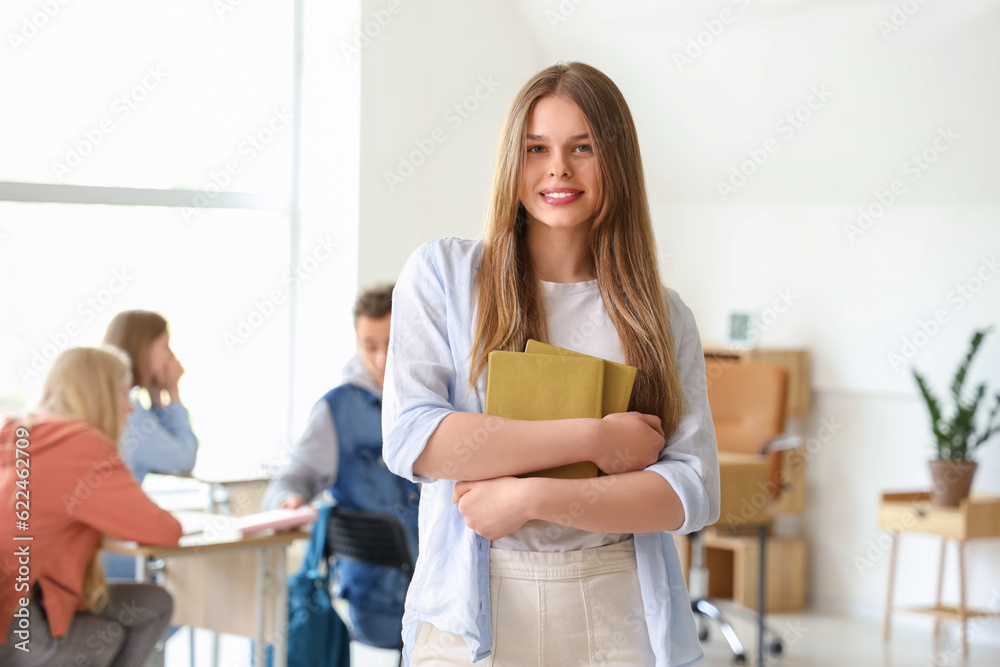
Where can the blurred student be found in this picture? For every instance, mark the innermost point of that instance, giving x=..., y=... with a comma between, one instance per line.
x=341, y=450
x=158, y=438
x=55, y=607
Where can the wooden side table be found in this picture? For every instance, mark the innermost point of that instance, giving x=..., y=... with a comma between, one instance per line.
x=977, y=517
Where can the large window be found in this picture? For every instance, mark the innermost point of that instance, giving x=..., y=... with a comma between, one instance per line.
x=147, y=160
x=148, y=94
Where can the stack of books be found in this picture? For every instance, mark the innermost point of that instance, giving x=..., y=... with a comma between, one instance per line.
x=548, y=382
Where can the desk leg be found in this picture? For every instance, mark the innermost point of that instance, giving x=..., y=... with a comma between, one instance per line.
x=259, y=645
x=940, y=584
x=892, y=580
x=280, y=591
x=961, y=596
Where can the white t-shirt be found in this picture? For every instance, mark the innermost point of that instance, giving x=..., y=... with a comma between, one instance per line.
x=577, y=321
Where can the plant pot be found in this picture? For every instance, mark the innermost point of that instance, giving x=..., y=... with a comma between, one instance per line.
x=952, y=481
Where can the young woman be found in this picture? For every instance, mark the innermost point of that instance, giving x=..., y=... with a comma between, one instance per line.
x=534, y=571
x=64, y=485
x=158, y=438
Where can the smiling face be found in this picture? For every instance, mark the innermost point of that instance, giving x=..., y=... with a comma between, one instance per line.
x=560, y=182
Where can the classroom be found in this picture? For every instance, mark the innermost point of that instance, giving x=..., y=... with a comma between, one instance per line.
x=304, y=282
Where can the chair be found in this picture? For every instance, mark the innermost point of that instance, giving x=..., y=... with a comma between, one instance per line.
x=371, y=538
x=747, y=401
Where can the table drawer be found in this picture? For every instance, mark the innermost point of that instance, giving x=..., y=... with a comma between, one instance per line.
x=923, y=518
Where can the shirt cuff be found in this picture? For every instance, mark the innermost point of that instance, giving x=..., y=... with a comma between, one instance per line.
x=689, y=487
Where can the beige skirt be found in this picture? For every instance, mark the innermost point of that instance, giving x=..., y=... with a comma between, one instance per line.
x=572, y=608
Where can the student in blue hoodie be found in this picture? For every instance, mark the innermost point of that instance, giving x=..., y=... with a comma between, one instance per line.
x=341, y=450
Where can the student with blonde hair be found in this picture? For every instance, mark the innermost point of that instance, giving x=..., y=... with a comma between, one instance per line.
x=157, y=438
x=63, y=485
x=534, y=570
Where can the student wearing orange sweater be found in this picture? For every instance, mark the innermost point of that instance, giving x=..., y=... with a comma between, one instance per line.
x=63, y=485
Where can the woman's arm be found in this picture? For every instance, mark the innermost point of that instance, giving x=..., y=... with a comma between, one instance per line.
x=425, y=438
x=160, y=440
x=467, y=446
x=678, y=493
x=102, y=493
x=633, y=502
x=313, y=464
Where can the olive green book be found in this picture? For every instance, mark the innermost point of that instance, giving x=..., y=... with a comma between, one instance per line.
x=539, y=387
x=618, y=378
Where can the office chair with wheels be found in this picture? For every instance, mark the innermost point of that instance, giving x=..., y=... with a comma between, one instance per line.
x=748, y=411
x=371, y=538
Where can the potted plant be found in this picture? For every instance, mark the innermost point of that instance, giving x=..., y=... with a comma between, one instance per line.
x=957, y=436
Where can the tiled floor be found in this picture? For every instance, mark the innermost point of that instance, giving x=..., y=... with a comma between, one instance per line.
x=811, y=640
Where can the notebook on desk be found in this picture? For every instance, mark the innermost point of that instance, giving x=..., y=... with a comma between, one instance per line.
x=277, y=520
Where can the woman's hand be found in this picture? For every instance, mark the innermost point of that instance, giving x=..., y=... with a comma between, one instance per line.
x=628, y=441
x=493, y=507
x=172, y=375
x=166, y=381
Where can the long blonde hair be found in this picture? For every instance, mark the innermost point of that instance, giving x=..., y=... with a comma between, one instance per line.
x=84, y=383
x=622, y=245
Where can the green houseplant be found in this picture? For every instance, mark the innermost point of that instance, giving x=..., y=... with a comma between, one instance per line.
x=957, y=436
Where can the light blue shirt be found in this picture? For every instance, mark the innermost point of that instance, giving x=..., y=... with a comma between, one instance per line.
x=158, y=440
x=426, y=379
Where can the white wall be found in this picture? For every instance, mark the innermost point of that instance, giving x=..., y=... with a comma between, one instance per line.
x=431, y=57
x=855, y=296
